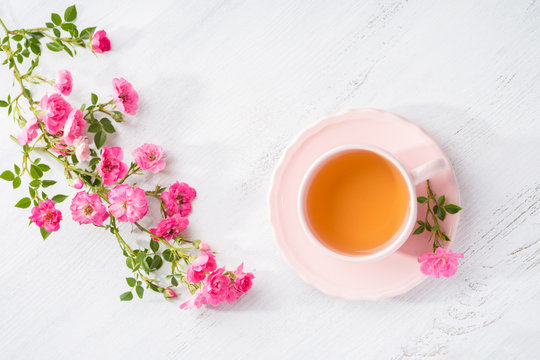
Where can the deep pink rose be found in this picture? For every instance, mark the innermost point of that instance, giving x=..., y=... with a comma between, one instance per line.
x=127, y=203
x=56, y=112
x=64, y=82
x=78, y=184
x=100, y=42
x=82, y=150
x=74, y=127
x=206, y=262
x=170, y=228
x=111, y=168
x=46, y=216
x=124, y=96
x=28, y=132
x=148, y=157
x=178, y=199
x=216, y=286
x=443, y=263
x=87, y=208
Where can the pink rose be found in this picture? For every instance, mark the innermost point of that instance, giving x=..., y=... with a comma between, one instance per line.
x=74, y=127
x=127, y=203
x=197, y=300
x=443, y=263
x=243, y=280
x=46, y=216
x=206, y=262
x=100, y=42
x=59, y=149
x=111, y=168
x=178, y=199
x=148, y=157
x=78, y=184
x=204, y=246
x=216, y=287
x=170, y=228
x=125, y=96
x=64, y=82
x=87, y=208
x=28, y=132
x=56, y=112
x=169, y=293
x=82, y=150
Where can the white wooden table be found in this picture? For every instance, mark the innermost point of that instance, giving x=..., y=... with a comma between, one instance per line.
x=224, y=87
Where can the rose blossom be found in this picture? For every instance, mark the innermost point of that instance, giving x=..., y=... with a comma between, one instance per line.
x=241, y=284
x=204, y=263
x=28, y=132
x=46, y=216
x=78, y=184
x=216, y=287
x=169, y=293
x=178, y=199
x=87, y=208
x=148, y=157
x=56, y=112
x=82, y=150
x=170, y=228
x=74, y=127
x=100, y=42
x=127, y=203
x=111, y=168
x=204, y=246
x=443, y=263
x=197, y=300
x=64, y=82
x=125, y=96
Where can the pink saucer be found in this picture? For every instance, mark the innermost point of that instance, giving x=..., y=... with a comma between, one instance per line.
x=390, y=276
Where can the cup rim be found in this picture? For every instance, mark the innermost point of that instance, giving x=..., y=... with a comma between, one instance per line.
x=391, y=245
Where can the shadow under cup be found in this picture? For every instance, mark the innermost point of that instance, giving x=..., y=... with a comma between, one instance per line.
x=356, y=202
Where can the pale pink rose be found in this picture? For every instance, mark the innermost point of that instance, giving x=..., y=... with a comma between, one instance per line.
x=78, y=184
x=204, y=246
x=56, y=112
x=125, y=96
x=82, y=150
x=443, y=263
x=127, y=203
x=111, y=168
x=148, y=157
x=28, y=132
x=87, y=208
x=178, y=199
x=206, y=262
x=64, y=82
x=46, y=216
x=197, y=300
x=169, y=293
x=100, y=42
x=74, y=127
x=170, y=228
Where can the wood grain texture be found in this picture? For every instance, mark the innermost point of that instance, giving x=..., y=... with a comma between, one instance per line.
x=225, y=86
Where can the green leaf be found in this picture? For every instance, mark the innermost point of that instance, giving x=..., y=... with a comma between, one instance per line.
x=54, y=46
x=71, y=13
x=127, y=296
x=44, y=167
x=3, y=103
x=7, y=175
x=445, y=237
x=32, y=192
x=421, y=199
x=420, y=222
x=167, y=255
x=131, y=281
x=94, y=98
x=428, y=226
x=35, y=183
x=94, y=128
x=130, y=263
x=156, y=262
x=56, y=19
x=107, y=125
x=68, y=50
x=174, y=282
x=100, y=138
x=17, y=37
x=67, y=27
x=436, y=227
x=35, y=172
x=49, y=25
x=154, y=245
x=452, y=208
x=44, y=233
x=140, y=291
x=441, y=213
x=441, y=200
x=17, y=169
x=23, y=203
x=419, y=230
x=36, y=35
x=56, y=33
x=47, y=183
x=59, y=198
x=85, y=33
x=94, y=161
x=16, y=182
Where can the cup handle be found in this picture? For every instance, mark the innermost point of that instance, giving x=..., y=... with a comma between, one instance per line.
x=427, y=170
